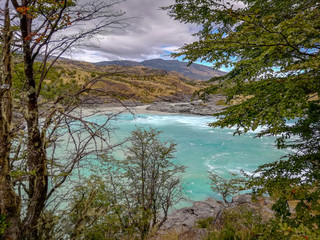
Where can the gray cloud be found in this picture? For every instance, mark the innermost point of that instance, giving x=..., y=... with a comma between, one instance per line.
x=151, y=35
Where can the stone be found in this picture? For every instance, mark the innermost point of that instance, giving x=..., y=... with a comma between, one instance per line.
x=191, y=107
x=186, y=218
x=241, y=199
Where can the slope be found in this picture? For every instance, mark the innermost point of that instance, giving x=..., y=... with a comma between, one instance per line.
x=194, y=71
x=134, y=83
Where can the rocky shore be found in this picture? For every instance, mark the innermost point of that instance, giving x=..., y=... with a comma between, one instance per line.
x=184, y=221
x=199, y=107
x=166, y=106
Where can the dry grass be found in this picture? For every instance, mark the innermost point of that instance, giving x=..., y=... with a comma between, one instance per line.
x=129, y=83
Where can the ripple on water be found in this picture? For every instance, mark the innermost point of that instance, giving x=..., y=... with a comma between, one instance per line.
x=201, y=148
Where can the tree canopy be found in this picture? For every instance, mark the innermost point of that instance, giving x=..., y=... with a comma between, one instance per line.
x=273, y=48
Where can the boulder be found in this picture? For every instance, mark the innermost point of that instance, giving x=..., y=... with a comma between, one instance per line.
x=241, y=199
x=186, y=218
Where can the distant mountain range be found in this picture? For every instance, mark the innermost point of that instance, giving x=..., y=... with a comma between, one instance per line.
x=194, y=71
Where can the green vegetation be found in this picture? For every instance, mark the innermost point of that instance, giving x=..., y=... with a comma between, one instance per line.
x=53, y=86
x=239, y=223
x=226, y=187
x=273, y=49
x=153, y=181
x=221, y=102
x=3, y=224
x=124, y=199
x=205, y=223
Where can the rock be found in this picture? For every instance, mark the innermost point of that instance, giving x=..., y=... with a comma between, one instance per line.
x=183, y=222
x=186, y=218
x=193, y=107
x=261, y=205
x=241, y=199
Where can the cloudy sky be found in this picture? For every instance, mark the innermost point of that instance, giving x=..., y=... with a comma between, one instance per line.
x=153, y=35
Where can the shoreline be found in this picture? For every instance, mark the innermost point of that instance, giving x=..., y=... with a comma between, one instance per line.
x=196, y=108
x=104, y=108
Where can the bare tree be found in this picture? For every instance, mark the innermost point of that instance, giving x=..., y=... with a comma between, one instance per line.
x=31, y=168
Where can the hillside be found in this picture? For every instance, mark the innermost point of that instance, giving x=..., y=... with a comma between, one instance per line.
x=194, y=71
x=134, y=83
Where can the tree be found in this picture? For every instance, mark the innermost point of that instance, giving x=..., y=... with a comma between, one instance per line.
x=130, y=197
x=273, y=49
x=153, y=181
x=31, y=171
x=226, y=188
x=274, y=52
x=97, y=211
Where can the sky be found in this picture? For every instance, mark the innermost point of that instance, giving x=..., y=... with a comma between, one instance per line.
x=152, y=34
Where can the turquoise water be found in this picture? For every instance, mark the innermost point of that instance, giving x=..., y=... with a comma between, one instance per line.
x=202, y=148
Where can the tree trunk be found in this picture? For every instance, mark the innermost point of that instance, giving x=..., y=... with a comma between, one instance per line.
x=36, y=159
x=9, y=201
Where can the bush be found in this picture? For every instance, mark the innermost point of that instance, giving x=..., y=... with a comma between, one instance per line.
x=241, y=223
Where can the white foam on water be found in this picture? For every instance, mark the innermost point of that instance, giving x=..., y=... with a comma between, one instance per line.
x=192, y=121
x=209, y=166
x=218, y=155
x=202, y=148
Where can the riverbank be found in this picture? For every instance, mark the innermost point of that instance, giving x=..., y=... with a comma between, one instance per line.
x=108, y=108
x=198, y=107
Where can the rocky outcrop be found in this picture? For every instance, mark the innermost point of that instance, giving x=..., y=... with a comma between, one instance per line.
x=186, y=218
x=192, y=107
x=183, y=222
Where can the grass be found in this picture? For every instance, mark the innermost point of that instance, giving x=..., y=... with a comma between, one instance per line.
x=130, y=83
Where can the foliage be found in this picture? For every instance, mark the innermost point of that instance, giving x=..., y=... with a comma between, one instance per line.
x=272, y=47
x=52, y=88
x=241, y=223
x=297, y=177
x=226, y=188
x=3, y=224
x=153, y=179
x=244, y=223
x=273, y=50
x=205, y=222
x=99, y=211
x=130, y=197
x=299, y=233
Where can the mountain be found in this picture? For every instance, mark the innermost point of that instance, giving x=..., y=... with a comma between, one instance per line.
x=127, y=83
x=194, y=71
